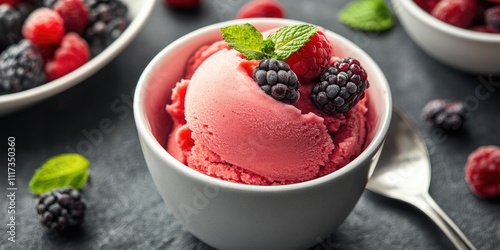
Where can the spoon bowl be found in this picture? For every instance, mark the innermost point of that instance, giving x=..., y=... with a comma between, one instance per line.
x=403, y=172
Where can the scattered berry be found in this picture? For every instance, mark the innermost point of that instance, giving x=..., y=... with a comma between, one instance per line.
x=482, y=171
x=12, y=3
x=73, y=53
x=312, y=59
x=74, y=13
x=44, y=27
x=492, y=18
x=261, y=8
x=10, y=26
x=108, y=20
x=459, y=13
x=277, y=80
x=182, y=3
x=445, y=114
x=61, y=209
x=21, y=68
x=340, y=87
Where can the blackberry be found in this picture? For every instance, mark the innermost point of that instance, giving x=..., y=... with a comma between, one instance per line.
x=61, y=209
x=21, y=68
x=108, y=20
x=11, y=23
x=340, y=87
x=445, y=114
x=277, y=80
x=48, y=3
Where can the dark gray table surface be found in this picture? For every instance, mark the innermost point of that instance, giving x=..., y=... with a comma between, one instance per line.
x=126, y=212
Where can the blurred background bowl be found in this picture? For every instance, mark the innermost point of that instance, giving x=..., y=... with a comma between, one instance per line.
x=138, y=12
x=466, y=50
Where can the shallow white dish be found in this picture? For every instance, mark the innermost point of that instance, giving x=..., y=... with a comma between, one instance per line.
x=466, y=50
x=139, y=11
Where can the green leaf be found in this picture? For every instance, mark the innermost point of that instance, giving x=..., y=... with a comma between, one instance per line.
x=246, y=39
x=367, y=15
x=60, y=171
x=291, y=38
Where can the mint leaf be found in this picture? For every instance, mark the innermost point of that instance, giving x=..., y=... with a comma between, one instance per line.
x=367, y=15
x=60, y=171
x=246, y=39
x=291, y=38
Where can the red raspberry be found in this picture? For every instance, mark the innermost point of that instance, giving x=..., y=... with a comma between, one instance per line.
x=74, y=13
x=73, y=53
x=312, y=59
x=182, y=3
x=12, y=3
x=261, y=8
x=427, y=5
x=44, y=27
x=482, y=171
x=459, y=13
x=484, y=28
x=492, y=18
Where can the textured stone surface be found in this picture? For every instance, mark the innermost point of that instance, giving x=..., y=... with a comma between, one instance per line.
x=125, y=210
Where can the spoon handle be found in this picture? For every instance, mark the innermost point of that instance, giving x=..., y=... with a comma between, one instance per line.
x=425, y=203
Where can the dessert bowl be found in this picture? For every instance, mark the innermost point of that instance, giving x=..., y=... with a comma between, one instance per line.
x=138, y=11
x=229, y=215
x=463, y=49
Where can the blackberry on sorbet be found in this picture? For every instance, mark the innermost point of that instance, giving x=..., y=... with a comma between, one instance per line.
x=340, y=87
x=61, y=209
x=21, y=68
x=277, y=80
x=445, y=114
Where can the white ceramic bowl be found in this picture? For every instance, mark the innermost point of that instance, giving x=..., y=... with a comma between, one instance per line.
x=466, y=50
x=139, y=11
x=229, y=215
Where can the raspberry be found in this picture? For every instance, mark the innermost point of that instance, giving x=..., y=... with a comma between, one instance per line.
x=74, y=13
x=261, y=8
x=484, y=28
x=492, y=18
x=482, y=171
x=21, y=68
x=277, y=80
x=340, y=87
x=182, y=3
x=445, y=114
x=73, y=53
x=12, y=3
x=10, y=26
x=108, y=20
x=427, y=5
x=460, y=13
x=44, y=27
x=61, y=209
x=312, y=59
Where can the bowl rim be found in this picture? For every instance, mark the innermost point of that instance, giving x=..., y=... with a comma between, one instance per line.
x=444, y=27
x=89, y=68
x=148, y=138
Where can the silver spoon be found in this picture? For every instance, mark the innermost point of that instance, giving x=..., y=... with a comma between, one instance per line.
x=403, y=172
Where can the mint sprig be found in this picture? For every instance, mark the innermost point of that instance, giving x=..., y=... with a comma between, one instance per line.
x=367, y=15
x=280, y=44
x=60, y=171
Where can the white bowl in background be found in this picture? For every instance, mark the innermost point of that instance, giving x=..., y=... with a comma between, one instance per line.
x=463, y=49
x=230, y=215
x=139, y=11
